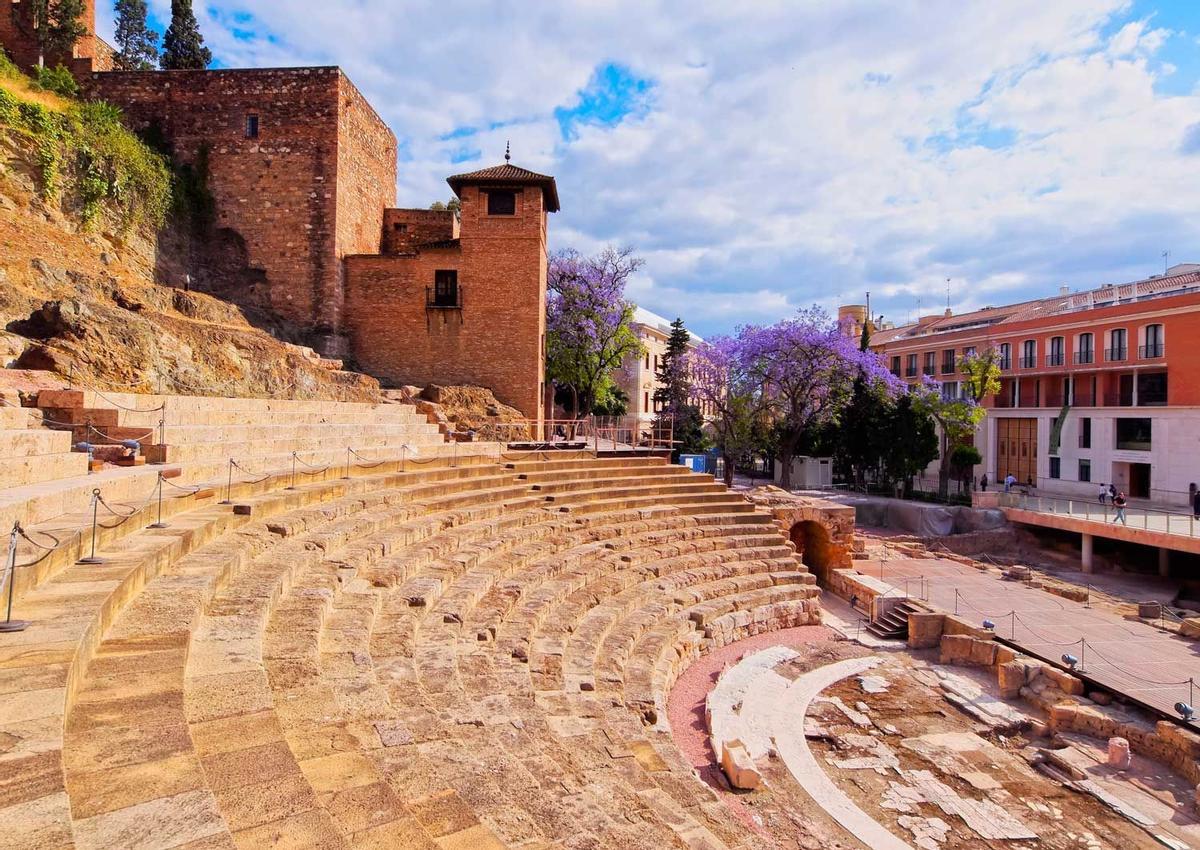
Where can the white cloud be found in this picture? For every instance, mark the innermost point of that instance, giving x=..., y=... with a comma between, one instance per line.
x=795, y=152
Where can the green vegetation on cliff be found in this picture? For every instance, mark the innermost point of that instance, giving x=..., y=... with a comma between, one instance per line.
x=85, y=156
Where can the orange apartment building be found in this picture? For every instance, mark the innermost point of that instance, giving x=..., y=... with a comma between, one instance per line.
x=1097, y=387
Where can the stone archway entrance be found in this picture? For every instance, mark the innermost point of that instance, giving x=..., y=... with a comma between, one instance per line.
x=822, y=531
x=814, y=546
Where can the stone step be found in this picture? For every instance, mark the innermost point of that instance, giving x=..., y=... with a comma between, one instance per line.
x=32, y=441
x=37, y=469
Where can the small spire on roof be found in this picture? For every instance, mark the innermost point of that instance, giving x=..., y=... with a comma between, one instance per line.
x=507, y=152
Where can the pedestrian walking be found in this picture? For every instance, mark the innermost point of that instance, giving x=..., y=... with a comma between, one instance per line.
x=1196, y=505
x=1103, y=493
x=983, y=483
x=1112, y=492
x=1010, y=481
x=1119, y=503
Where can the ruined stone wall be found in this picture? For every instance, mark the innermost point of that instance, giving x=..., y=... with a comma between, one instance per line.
x=278, y=191
x=495, y=340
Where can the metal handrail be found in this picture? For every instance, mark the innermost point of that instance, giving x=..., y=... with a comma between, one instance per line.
x=1182, y=523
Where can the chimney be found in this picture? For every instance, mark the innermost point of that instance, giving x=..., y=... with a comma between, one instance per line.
x=1064, y=290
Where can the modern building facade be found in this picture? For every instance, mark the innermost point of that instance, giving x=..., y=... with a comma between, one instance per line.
x=1097, y=387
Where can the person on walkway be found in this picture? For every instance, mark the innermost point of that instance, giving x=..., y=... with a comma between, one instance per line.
x=983, y=483
x=1119, y=503
x=1196, y=504
x=1010, y=481
x=1112, y=492
x=1103, y=493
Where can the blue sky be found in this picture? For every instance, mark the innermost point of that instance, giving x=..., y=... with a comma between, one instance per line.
x=765, y=157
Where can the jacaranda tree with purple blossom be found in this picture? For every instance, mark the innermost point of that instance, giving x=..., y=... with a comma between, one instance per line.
x=722, y=379
x=807, y=367
x=588, y=322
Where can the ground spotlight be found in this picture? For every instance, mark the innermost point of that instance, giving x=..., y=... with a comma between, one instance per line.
x=1070, y=660
x=989, y=625
x=1185, y=711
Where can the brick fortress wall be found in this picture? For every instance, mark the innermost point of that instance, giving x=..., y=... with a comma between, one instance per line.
x=495, y=340
x=310, y=188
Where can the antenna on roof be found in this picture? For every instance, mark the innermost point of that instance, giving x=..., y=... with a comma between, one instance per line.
x=947, y=295
x=1166, y=255
x=507, y=152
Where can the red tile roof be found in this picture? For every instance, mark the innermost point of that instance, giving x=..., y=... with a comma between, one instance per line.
x=507, y=175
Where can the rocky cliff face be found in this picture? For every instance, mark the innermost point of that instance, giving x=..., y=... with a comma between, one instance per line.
x=87, y=303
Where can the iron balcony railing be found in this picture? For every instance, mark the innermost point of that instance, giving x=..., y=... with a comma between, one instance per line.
x=1082, y=358
x=1116, y=355
x=1055, y=359
x=1148, y=519
x=1005, y=363
x=948, y=367
x=1149, y=352
x=445, y=299
x=1028, y=362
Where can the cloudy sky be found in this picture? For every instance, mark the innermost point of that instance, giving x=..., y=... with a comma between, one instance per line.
x=766, y=155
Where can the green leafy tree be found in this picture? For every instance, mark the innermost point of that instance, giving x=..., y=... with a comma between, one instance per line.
x=54, y=25
x=454, y=205
x=963, y=461
x=958, y=416
x=912, y=442
x=861, y=440
x=183, y=45
x=137, y=44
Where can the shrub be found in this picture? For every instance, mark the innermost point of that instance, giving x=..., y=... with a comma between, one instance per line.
x=110, y=168
x=58, y=80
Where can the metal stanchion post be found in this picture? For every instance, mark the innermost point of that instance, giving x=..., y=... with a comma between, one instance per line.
x=956, y=601
x=292, y=486
x=1012, y=634
x=160, y=523
x=403, y=456
x=229, y=486
x=347, y=475
x=454, y=459
x=93, y=558
x=10, y=570
x=1082, y=654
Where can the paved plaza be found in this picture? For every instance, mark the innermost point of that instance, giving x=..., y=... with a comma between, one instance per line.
x=1148, y=664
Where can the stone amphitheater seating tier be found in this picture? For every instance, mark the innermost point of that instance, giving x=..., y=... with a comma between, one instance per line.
x=202, y=435
x=434, y=658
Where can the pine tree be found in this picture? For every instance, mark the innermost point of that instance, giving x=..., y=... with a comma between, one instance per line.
x=183, y=45
x=673, y=395
x=55, y=25
x=137, y=42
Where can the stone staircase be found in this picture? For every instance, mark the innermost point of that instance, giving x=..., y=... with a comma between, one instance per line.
x=465, y=653
x=893, y=624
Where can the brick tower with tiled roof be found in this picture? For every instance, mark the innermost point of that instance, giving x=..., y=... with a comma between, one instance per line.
x=460, y=298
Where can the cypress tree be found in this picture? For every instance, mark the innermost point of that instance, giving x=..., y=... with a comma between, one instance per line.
x=183, y=45
x=674, y=393
x=137, y=42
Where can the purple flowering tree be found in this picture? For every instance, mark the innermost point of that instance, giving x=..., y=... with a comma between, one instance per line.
x=724, y=383
x=807, y=367
x=588, y=322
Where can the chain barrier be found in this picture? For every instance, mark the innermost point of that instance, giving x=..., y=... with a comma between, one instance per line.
x=138, y=440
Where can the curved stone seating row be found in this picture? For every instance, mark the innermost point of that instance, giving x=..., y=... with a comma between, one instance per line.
x=472, y=656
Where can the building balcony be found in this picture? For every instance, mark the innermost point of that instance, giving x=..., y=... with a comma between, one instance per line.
x=910, y=372
x=949, y=368
x=1084, y=358
x=1118, y=400
x=1055, y=359
x=1027, y=362
x=1002, y=401
x=443, y=299
x=1116, y=355
x=1053, y=400
x=1005, y=364
x=1084, y=400
x=1151, y=352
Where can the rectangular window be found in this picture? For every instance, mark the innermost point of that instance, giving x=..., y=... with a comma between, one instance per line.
x=948, y=365
x=1029, y=354
x=1154, y=343
x=950, y=390
x=896, y=365
x=502, y=202
x=645, y=401
x=1085, y=354
x=1056, y=467
x=647, y=359
x=445, y=288
x=910, y=369
x=930, y=362
x=1055, y=357
x=400, y=228
x=1134, y=435
x=1005, y=355
x=251, y=126
x=1117, y=345
x=1151, y=389
x=1085, y=432
x=1085, y=470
